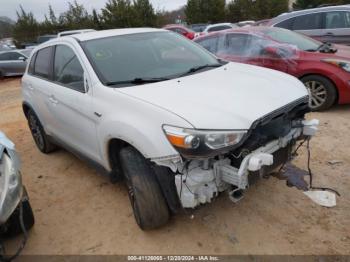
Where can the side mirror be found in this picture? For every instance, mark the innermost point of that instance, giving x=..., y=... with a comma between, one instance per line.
x=22, y=58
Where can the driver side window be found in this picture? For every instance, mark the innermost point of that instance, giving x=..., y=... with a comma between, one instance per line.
x=67, y=69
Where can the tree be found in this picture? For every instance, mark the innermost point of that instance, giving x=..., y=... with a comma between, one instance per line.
x=96, y=20
x=303, y=4
x=144, y=11
x=118, y=14
x=204, y=11
x=239, y=10
x=26, y=27
x=76, y=17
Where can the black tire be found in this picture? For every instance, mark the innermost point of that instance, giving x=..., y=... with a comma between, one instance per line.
x=13, y=225
x=1, y=75
x=40, y=138
x=148, y=203
x=323, y=92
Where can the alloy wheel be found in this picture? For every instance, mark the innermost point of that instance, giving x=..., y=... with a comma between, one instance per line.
x=36, y=131
x=318, y=93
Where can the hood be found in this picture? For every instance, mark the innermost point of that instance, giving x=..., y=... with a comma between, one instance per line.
x=230, y=97
x=343, y=52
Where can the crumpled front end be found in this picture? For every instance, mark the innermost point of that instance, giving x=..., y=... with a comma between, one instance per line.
x=268, y=146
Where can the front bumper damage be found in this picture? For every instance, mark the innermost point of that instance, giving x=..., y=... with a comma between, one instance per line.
x=202, y=180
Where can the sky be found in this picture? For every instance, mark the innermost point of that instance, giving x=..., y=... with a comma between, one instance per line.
x=40, y=7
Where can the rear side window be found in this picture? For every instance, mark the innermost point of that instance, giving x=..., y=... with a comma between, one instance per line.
x=337, y=20
x=210, y=44
x=308, y=22
x=178, y=30
x=43, y=62
x=4, y=57
x=287, y=24
x=10, y=56
x=67, y=69
x=237, y=44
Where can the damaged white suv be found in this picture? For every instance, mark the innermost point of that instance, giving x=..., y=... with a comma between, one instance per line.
x=150, y=106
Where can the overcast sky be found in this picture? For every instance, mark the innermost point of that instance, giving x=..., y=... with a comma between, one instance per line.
x=40, y=7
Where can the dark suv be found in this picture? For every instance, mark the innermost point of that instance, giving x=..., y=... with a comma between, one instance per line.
x=326, y=24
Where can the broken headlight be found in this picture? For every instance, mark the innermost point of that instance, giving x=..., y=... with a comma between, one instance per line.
x=202, y=143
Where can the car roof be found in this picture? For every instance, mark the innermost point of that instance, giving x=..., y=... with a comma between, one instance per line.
x=75, y=31
x=285, y=16
x=113, y=32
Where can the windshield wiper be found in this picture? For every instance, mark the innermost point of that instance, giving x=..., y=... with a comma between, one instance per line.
x=137, y=81
x=197, y=68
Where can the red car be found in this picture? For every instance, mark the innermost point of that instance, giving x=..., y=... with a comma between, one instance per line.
x=182, y=30
x=323, y=68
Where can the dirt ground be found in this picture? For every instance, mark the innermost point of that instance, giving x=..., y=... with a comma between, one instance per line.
x=78, y=211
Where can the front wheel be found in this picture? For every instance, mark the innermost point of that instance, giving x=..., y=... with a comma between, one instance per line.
x=148, y=203
x=323, y=92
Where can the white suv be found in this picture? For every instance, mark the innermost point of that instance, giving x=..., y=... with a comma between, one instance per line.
x=154, y=108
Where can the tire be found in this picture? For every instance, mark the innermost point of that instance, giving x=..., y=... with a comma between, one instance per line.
x=323, y=92
x=1, y=75
x=13, y=226
x=40, y=138
x=148, y=203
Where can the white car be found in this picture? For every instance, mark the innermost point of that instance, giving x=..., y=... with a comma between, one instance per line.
x=149, y=105
x=217, y=27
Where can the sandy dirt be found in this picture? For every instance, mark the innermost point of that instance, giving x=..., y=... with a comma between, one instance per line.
x=78, y=211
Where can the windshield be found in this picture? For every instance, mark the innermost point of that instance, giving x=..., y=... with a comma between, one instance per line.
x=285, y=36
x=153, y=55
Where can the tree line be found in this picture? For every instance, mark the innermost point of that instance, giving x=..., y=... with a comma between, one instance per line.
x=141, y=13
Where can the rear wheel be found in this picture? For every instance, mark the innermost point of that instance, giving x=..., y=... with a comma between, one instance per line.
x=323, y=92
x=148, y=203
x=40, y=138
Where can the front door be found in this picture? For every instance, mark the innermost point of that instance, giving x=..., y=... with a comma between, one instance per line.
x=71, y=103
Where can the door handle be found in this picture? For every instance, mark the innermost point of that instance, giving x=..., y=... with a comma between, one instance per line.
x=53, y=100
x=30, y=87
x=329, y=33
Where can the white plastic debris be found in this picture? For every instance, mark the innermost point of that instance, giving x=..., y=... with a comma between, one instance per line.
x=322, y=198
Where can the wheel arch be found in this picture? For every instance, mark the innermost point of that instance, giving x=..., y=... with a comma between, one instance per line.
x=165, y=177
x=26, y=107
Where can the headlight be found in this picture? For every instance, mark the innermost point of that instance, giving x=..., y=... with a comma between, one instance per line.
x=11, y=188
x=345, y=65
x=202, y=143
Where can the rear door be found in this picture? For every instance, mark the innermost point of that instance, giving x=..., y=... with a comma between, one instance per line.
x=310, y=25
x=37, y=86
x=337, y=27
x=236, y=48
x=71, y=103
x=259, y=54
